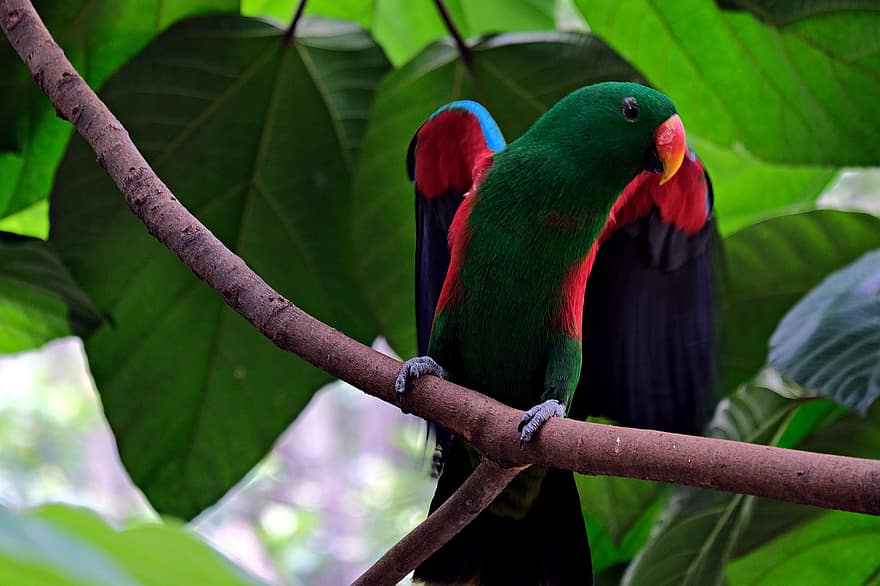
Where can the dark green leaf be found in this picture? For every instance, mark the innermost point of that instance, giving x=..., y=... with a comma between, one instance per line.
x=830, y=340
x=835, y=548
x=519, y=77
x=98, y=36
x=619, y=514
x=782, y=12
x=38, y=299
x=64, y=546
x=699, y=528
x=256, y=137
x=804, y=93
x=819, y=424
x=771, y=265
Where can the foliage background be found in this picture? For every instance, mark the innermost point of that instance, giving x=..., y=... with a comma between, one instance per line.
x=293, y=155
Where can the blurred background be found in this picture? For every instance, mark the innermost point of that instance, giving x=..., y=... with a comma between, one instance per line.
x=341, y=485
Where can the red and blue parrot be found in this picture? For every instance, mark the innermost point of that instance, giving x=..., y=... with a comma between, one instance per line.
x=563, y=252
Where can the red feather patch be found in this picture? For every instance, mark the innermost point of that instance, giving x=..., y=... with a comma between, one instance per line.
x=460, y=233
x=449, y=147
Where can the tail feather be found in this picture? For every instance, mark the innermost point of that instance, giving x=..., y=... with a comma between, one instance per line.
x=547, y=546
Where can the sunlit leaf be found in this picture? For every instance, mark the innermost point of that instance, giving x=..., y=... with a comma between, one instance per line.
x=801, y=93
x=64, y=546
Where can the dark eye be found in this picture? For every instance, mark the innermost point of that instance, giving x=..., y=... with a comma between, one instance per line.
x=630, y=109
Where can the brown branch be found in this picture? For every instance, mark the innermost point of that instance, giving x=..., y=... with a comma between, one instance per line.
x=823, y=480
x=478, y=491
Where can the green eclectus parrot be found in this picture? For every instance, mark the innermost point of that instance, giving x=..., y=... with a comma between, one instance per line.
x=524, y=224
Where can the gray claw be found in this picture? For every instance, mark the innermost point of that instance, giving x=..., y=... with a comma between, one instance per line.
x=413, y=369
x=535, y=417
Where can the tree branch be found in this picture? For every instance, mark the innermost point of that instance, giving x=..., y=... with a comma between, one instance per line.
x=837, y=482
x=477, y=493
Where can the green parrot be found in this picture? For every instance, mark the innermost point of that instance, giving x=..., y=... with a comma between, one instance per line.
x=508, y=320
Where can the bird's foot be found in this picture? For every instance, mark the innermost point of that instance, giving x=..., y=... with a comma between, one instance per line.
x=535, y=417
x=413, y=369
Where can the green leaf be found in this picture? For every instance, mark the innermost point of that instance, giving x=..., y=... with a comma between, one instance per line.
x=32, y=221
x=836, y=548
x=782, y=12
x=619, y=514
x=820, y=429
x=518, y=78
x=405, y=27
x=699, y=528
x=830, y=340
x=34, y=553
x=98, y=36
x=65, y=546
x=747, y=189
x=256, y=137
x=38, y=299
x=773, y=263
x=787, y=94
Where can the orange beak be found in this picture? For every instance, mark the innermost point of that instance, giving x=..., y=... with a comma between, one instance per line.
x=671, y=146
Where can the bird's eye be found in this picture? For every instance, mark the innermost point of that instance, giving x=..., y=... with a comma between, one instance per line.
x=630, y=109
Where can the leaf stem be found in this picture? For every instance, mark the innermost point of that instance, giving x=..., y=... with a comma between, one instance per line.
x=463, y=49
x=288, y=34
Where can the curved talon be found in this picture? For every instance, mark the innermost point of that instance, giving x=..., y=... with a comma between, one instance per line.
x=535, y=417
x=413, y=369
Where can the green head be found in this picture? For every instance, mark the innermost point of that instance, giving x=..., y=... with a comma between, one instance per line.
x=610, y=132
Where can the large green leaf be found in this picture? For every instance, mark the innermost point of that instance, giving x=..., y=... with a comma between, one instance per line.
x=257, y=138
x=748, y=189
x=826, y=432
x=782, y=12
x=619, y=514
x=771, y=265
x=517, y=77
x=38, y=299
x=699, y=528
x=830, y=340
x=836, y=548
x=405, y=27
x=64, y=546
x=98, y=36
x=801, y=93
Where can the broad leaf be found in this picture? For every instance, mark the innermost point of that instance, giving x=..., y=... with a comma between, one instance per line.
x=782, y=13
x=802, y=93
x=836, y=548
x=256, y=137
x=38, y=299
x=98, y=36
x=699, y=528
x=748, y=189
x=830, y=340
x=771, y=265
x=828, y=433
x=517, y=78
x=62, y=545
x=619, y=514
